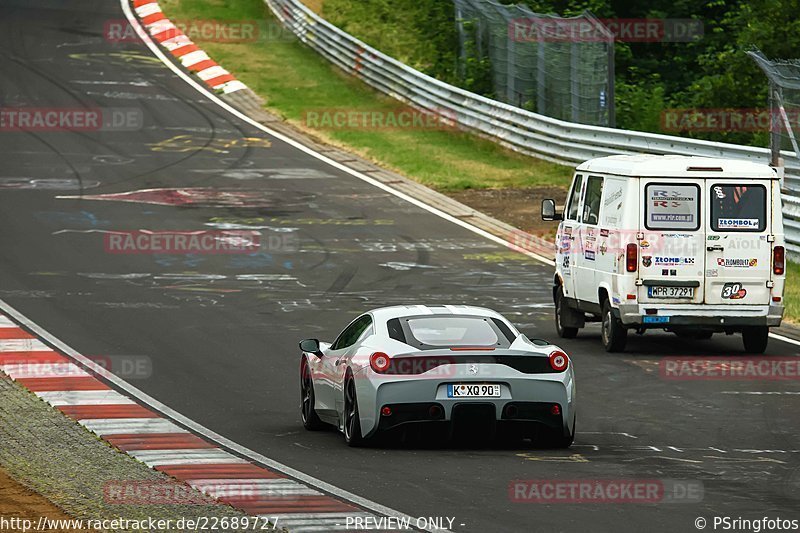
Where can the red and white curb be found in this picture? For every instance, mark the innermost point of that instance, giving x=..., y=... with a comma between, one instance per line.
x=160, y=443
x=179, y=45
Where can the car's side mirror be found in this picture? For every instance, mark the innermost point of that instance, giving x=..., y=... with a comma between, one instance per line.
x=549, y=210
x=311, y=346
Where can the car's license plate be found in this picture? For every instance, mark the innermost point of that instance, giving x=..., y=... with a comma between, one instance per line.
x=670, y=292
x=473, y=390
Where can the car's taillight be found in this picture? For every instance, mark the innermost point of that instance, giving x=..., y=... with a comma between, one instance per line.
x=379, y=362
x=778, y=260
x=631, y=257
x=559, y=361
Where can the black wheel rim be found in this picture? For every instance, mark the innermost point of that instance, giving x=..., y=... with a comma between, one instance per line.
x=606, y=327
x=350, y=410
x=306, y=394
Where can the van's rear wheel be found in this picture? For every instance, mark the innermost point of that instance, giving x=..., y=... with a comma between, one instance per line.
x=755, y=339
x=565, y=332
x=613, y=333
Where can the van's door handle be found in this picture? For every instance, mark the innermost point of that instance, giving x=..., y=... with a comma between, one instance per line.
x=715, y=248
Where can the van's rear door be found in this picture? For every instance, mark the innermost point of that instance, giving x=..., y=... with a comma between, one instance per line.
x=738, y=252
x=672, y=250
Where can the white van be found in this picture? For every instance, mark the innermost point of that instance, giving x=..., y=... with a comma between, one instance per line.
x=688, y=244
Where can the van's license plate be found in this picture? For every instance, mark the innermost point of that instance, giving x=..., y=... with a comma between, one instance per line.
x=470, y=390
x=670, y=292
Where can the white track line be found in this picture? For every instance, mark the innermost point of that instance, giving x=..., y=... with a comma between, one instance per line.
x=208, y=456
x=784, y=339
x=23, y=345
x=125, y=426
x=84, y=397
x=43, y=370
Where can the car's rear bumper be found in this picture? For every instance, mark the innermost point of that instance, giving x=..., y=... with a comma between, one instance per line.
x=524, y=399
x=702, y=316
x=480, y=415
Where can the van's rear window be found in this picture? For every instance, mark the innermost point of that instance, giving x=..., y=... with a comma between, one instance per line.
x=672, y=206
x=738, y=207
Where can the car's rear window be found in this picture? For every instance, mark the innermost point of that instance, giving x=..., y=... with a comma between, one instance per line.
x=453, y=331
x=439, y=331
x=738, y=207
x=672, y=206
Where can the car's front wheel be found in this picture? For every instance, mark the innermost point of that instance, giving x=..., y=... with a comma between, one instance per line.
x=352, y=420
x=307, y=412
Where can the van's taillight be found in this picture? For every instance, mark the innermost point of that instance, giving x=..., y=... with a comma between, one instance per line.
x=631, y=257
x=778, y=260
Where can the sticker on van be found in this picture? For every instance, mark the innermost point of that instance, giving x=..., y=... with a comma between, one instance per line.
x=733, y=291
x=671, y=218
x=737, y=263
x=738, y=223
x=672, y=206
x=674, y=261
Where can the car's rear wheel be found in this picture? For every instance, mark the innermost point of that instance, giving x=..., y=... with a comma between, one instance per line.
x=612, y=333
x=565, y=332
x=352, y=420
x=307, y=412
x=755, y=339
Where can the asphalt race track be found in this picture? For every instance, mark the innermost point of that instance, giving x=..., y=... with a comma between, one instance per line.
x=221, y=330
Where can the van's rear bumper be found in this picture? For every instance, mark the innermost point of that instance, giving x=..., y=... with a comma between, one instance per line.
x=706, y=316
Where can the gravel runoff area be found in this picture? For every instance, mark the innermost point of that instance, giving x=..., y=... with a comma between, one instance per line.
x=70, y=466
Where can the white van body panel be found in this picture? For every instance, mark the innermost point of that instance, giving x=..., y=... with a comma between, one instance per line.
x=704, y=231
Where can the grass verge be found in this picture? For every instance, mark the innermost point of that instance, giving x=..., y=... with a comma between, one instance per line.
x=296, y=81
x=791, y=293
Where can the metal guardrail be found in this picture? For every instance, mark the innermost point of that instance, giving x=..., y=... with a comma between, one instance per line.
x=520, y=130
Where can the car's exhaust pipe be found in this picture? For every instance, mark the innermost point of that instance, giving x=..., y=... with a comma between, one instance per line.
x=435, y=412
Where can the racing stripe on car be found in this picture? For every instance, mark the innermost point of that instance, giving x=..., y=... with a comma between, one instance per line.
x=160, y=443
x=177, y=43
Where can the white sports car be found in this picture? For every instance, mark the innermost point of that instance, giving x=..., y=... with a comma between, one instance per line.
x=456, y=366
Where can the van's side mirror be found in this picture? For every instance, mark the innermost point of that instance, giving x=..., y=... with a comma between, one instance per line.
x=549, y=210
x=311, y=346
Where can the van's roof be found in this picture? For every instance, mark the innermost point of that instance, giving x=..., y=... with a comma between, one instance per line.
x=677, y=166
